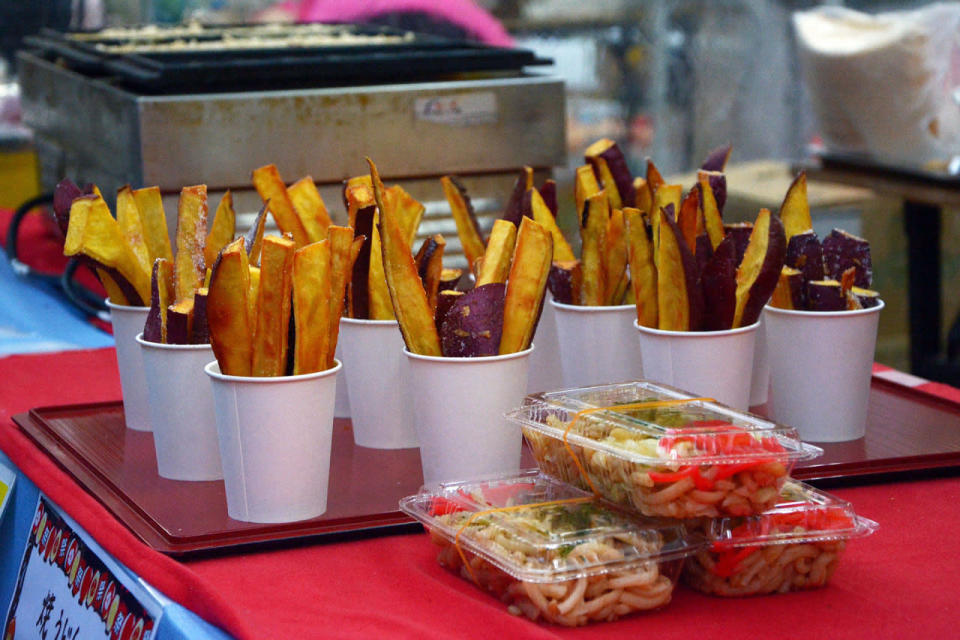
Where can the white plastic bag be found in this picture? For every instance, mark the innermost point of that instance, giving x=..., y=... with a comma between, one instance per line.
x=884, y=84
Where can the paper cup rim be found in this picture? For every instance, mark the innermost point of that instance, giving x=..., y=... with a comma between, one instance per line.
x=581, y=308
x=212, y=369
x=463, y=359
x=825, y=314
x=369, y=322
x=163, y=346
x=696, y=334
x=126, y=307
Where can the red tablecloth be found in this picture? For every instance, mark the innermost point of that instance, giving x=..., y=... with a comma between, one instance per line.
x=899, y=583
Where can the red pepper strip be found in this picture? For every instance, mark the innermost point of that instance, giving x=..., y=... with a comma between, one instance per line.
x=441, y=506
x=674, y=476
x=727, y=470
x=702, y=482
x=729, y=561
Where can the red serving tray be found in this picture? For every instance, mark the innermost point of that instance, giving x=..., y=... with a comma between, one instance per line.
x=907, y=430
x=119, y=467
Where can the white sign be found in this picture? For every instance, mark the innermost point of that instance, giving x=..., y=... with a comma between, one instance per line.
x=69, y=588
x=461, y=109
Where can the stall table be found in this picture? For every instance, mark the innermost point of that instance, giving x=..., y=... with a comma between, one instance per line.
x=900, y=582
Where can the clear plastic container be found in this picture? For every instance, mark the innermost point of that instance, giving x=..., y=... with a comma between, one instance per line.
x=795, y=545
x=550, y=551
x=659, y=450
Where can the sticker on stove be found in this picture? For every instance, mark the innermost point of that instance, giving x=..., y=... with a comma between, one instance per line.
x=460, y=109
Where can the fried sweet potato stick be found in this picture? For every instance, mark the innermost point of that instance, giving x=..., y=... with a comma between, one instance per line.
x=310, y=207
x=526, y=286
x=643, y=195
x=271, y=187
x=189, y=267
x=514, y=209
x=311, y=307
x=788, y=293
x=593, y=232
x=200, y=331
x=539, y=211
x=95, y=234
x=760, y=268
x=128, y=217
x=495, y=265
x=468, y=229
x=360, y=280
x=795, y=209
x=584, y=185
x=679, y=299
x=161, y=297
x=429, y=261
x=273, y=307
x=228, y=312
x=712, y=219
x=409, y=298
x=344, y=250
x=615, y=259
x=180, y=322
x=154, y=222
x=689, y=217
x=223, y=229
x=643, y=274
x=612, y=171
x=665, y=195
x=359, y=196
x=253, y=238
x=380, y=304
x=564, y=281
x=408, y=210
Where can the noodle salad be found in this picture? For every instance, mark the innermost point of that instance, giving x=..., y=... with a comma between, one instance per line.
x=685, y=472
x=570, y=561
x=660, y=452
x=794, y=546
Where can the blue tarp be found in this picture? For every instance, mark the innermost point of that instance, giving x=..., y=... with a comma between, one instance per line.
x=36, y=316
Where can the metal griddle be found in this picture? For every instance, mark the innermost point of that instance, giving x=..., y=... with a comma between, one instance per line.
x=247, y=57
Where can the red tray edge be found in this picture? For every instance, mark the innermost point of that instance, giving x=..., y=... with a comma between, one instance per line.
x=152, y=533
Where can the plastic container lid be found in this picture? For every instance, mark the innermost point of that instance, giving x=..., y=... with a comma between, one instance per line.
x=530, y=526
x=673, y=428
x=803, y=514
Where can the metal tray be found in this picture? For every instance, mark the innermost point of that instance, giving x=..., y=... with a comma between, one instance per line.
x=907, y=431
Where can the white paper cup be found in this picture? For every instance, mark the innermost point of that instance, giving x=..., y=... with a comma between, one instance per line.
x=275, y=435
x=181, y=410
x=546, y=372
x=376, y=373
x=597, y=344
x=713, y=364
x=127, y=323
x=341, y=406
x=760, y=381
x=458, y=407
x=820, y=369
